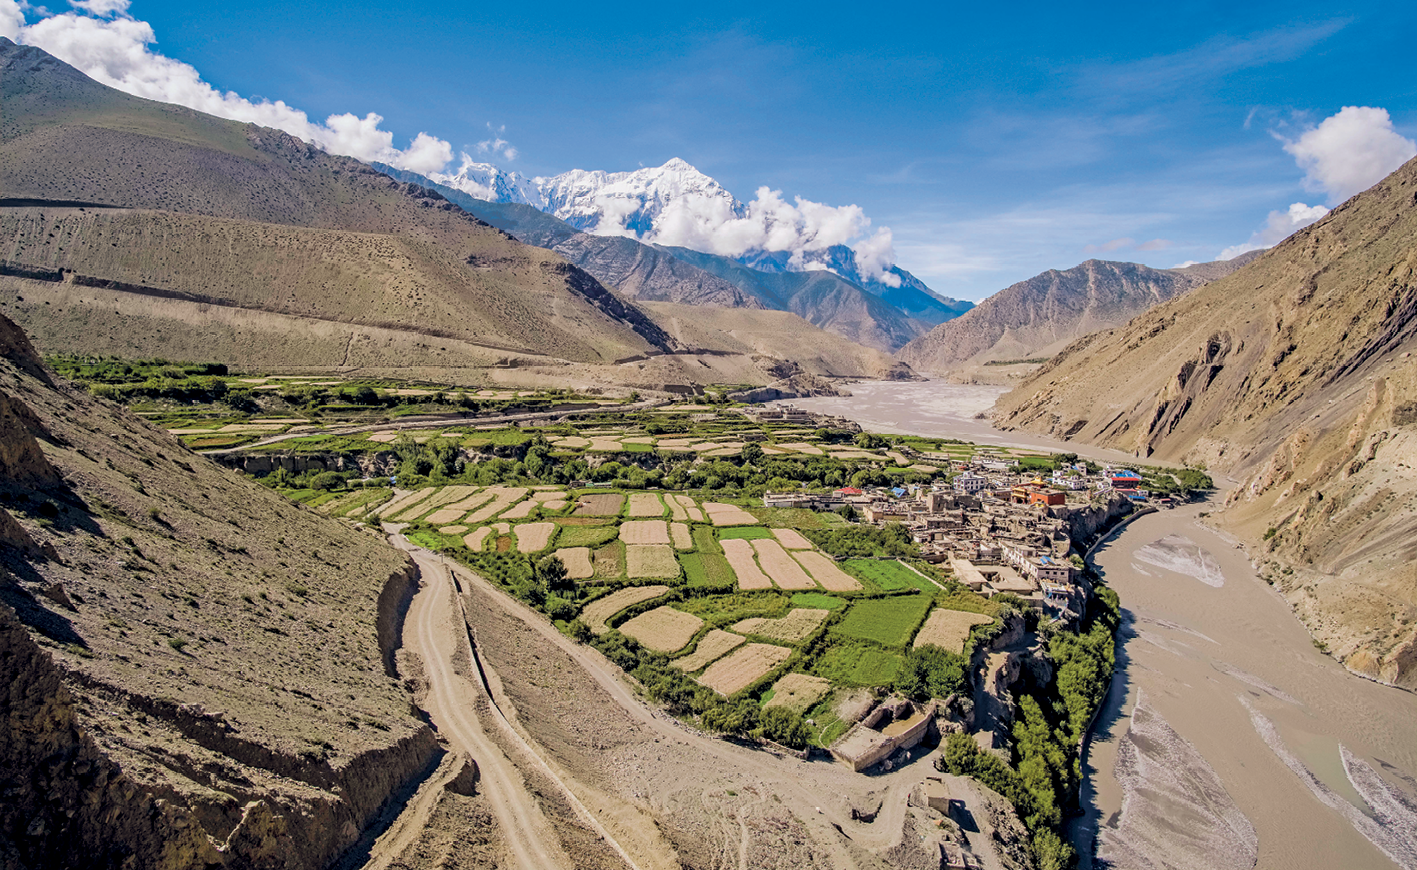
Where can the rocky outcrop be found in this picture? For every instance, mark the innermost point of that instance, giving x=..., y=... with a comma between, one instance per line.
x=1040, y=316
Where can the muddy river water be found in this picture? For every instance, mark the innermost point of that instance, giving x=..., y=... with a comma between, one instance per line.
x=1228, y=739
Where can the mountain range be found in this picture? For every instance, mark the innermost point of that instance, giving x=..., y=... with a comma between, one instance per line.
x=1042, y=315
x=1294, y=376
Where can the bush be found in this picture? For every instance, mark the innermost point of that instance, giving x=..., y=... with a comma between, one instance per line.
x=327, y=481
x=931, y=672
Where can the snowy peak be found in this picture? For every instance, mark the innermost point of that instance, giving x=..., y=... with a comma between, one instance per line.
x=487, y=182
x=631, y=203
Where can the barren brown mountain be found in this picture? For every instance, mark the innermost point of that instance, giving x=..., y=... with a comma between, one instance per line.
x=1295, y=376
x=1041, y=316
x=198, y=673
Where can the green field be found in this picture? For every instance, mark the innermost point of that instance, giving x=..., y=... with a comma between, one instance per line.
x=818, y=601
x=858, y=666
x=585, y=536
x=707, y=570
x=887, y=621
x=746, y=533
x=704, y=540
x=722, y=610
x=890, y=576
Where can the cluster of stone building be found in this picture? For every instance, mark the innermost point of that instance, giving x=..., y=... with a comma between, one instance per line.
x=999, y=530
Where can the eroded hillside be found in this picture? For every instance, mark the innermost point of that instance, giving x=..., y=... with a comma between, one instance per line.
x=198, y=672
x=1294, y=376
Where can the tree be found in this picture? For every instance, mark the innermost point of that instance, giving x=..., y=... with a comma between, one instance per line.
x=551, y=573
x=752, y=454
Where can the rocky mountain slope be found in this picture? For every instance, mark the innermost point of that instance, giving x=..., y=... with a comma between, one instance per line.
x=163, y=202
x=883, y=318
x=198, y=673
x=1041, y=316
x=1295, y=377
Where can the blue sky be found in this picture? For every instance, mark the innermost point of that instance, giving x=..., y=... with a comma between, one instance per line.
x=995, y=140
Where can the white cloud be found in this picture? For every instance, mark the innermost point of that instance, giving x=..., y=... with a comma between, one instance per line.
x=115, y=51
x=1279, y=226
x=1186, y=264
x=101, y=7
x=496, y=144
x=1350, y=152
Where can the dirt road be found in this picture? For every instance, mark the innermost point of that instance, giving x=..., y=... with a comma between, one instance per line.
x=438, y=638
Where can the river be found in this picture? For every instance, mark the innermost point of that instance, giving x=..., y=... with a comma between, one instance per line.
x=1228, y=739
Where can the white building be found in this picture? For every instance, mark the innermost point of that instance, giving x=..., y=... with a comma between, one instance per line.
x=970, y=483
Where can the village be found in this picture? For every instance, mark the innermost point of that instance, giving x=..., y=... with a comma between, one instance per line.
x=999, y=528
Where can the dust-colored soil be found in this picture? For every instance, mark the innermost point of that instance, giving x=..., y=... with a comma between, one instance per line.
x=739, y=554
x=798, y=692
x=600, y=505
x=809, y=449
x=826, y=572
x=646, y=504
x=644, y=532
x=504, y=498
x=601, y=609
x=406, y=500
x=712, y=646
x=791, y=539
x=476, y=539
x=778, y=565
x=650, y=560
x=796, y=625
x=729, y=515
x=556, y=504
x=534, y=537
x=948, y=629
x=609, y=561
x=743, y=667
x=520, y=511
x=452, y=530
x=683, y=508
x=663, y=629
x=683, y=539
x=577, y=562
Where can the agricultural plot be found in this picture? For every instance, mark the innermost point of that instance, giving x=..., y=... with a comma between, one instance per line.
x=798, y=692
x=818, y=601
x=785, y=572
x=477, y=539
x=474, y=500
x=601, y=609
x=791, y=539
x=795, y=626
x=603, y=504
x=577, y=562
x=520, y=510
x=457, y=529
x=609, y=561
x=663, y=629
x=503, y=498
x=587, y=536
x=745, y=568
x=683, y=509
x=712, y=646
x=802, y=447
x=826, y=572
x=534, y=537
x=404, y=502
x=744, y=667
x=858, y=666
x=646, y=504
x=948, y=629
x=707, y=569
x=746, y=533
x=890, y=575
x=683, y=539
x=644, y=532
x=446, y=496
x=650, y=560
x=728, y=515
x=886, y=621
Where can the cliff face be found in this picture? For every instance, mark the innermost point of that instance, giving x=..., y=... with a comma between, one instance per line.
x=197, y=673
x=1040, y=316
x=1295, y=377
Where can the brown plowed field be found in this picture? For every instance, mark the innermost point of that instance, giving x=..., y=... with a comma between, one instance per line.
x=601, y=609
x=797, y=624
x=798, y=692
x=606, y=504
x=650, y=560
x=644, y=532
x=404, y=502
x=577, y=562
x=740, y=558
x=663, y=629
x=743, y=667
x=786, y=573
x=683, y=540
x=520, y=511
x=826, y=572
x=791, y=539
x=682, y=508
x=714, y=645
x=503, y=498
x=729, y=515
x=475, y=540
x=534, y=537
x=646, y=504
x=948, y=629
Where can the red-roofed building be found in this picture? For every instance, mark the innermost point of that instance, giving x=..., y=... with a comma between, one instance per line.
x=848, y=490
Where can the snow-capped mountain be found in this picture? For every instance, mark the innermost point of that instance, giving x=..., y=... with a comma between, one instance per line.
x=676, y=205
